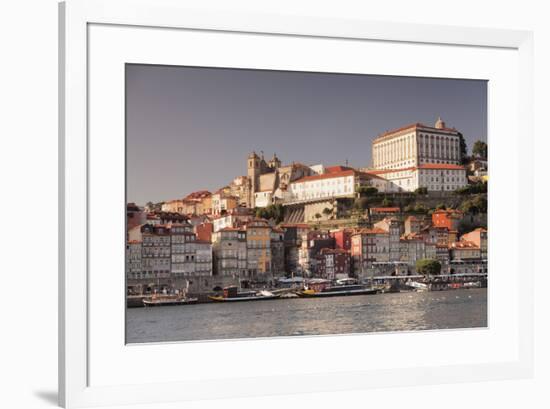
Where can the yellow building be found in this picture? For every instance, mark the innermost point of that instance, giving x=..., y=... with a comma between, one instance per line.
x=258, y=240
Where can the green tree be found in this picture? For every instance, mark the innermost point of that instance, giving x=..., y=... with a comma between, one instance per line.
x=421, y=191
x=428, y=266
x=479, y=150
x=474, y=188
x=387, y=202
x=440, y=206
x=272, y=212
x=420, y=208
x=318, y=216
x=477, y=204
x=367, y=190
x=463, y=149
x=361, y=203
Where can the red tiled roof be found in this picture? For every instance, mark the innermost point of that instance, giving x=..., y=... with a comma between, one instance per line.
x=385, y=209
x=200, y=194
x=375, y=230
x=337, y=168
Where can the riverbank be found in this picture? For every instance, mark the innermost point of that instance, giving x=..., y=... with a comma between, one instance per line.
x=382, y=285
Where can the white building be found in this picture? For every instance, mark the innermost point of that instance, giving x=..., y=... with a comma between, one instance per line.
x=337, y=181
x=415, y=145
x=433, y=176
x=263, y=198
x=230, y=220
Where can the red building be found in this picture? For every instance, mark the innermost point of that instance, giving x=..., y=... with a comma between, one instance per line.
x=342, y=238
x=204, y=231
x=333, y=263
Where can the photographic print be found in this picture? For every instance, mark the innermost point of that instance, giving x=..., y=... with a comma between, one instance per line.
x=267, y=203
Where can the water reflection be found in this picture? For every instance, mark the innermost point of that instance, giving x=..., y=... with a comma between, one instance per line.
x=338, y=315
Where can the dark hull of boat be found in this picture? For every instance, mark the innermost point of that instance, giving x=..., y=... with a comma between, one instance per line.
x=338, y=293
x=242, y=299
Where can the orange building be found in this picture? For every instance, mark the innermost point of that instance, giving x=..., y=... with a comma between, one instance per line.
x=448, y=218
x=479, y=238
x=204, y=231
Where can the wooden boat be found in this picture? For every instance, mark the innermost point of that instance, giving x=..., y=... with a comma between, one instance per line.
x=164, y=299
x=231, y=294
x=338, y=290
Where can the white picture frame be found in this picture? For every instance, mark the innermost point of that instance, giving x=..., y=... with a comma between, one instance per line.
x=76, y=17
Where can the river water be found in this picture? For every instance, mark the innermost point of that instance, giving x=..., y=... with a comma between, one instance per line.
x=406, y=311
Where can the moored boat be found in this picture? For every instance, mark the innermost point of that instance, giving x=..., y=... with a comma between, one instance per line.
x=232, y=294
x=338, y=290
x=164, y=299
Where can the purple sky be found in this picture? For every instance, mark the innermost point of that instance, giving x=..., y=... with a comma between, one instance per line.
x=192, y=128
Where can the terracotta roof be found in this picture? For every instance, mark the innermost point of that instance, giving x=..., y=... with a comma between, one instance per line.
x=385, y=209
x=337, y=168
x=375, y=230
x=134, y=242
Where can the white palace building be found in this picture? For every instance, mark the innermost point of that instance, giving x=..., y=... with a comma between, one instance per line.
x=417, y=155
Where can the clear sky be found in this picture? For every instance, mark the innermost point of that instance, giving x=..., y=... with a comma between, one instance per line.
x=192, y=128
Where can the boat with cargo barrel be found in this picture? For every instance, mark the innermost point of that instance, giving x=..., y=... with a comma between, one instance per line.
x=341, y=288
x=232, y=294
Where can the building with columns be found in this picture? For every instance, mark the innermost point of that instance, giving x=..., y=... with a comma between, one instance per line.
x=415, y=145
x=419, y=156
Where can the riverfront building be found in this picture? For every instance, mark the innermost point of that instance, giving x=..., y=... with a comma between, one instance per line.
x=333, y=263
x=156, y=250
x=133, y=259
x=479, y=238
